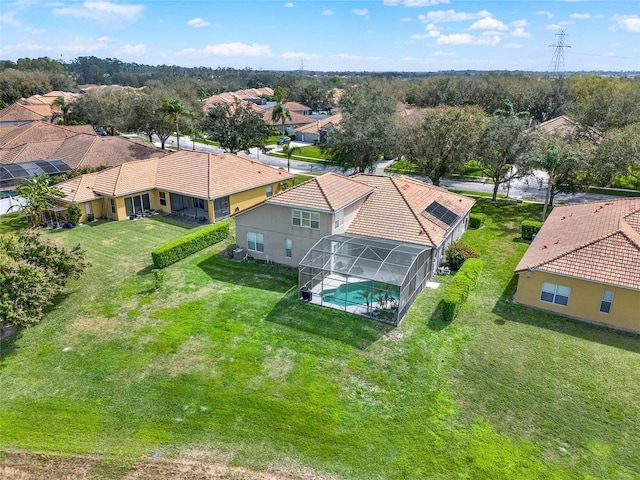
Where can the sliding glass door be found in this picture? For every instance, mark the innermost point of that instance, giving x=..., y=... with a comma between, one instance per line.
x=137, y=204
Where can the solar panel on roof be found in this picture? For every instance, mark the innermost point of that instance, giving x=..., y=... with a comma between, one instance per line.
x=442, y=213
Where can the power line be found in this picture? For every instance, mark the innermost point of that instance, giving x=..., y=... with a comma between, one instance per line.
x=556, y=67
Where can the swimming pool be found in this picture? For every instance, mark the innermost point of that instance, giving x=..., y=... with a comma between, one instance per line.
x=7, y=193
x=350, y=293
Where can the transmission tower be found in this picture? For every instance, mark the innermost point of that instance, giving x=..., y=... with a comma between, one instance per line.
x=556, y=67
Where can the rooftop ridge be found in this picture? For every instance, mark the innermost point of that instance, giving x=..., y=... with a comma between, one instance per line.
x=422, y=226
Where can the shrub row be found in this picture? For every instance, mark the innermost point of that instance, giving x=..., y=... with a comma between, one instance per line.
x=458, y=290
x=182, y=247
x=476, y=220
x=458, y=252
x=529, y=228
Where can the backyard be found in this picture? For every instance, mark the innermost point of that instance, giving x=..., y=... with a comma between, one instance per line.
x=223, y=370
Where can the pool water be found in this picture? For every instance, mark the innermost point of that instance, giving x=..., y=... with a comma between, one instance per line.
x=349, y=293
x=7, y=193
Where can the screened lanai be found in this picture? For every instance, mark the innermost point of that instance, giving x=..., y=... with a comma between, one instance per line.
x=13, y=174
x=365, y=275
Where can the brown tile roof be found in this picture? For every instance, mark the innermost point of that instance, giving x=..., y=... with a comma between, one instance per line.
x=95, y=151
x=185, y=172
x=321, y=123
x=30, y=151
x=212, y=176
x=33, y=132
x=21, y=113
x=296, y=107
x=239, y=95
x=79, y=189
x=598, y=241
x=330, y=192
x=296, y=118
x=564, y=125
x=397, y=210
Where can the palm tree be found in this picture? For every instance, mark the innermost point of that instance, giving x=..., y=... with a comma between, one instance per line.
x=289, y=151
x=39, y=195
x=552, y=162
x=281, y=113
x=173, y=108
x=509, y=110
x=64, y=110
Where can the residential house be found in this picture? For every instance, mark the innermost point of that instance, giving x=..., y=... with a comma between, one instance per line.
x=18, y=114
x=386, y=235
x=313, y=132
x=563, y=125
x=585, y=263
x=200, y=186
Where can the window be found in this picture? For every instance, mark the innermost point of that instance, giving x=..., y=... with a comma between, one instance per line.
x=163, y=198
x=269, y=190
x=255, y=242
x=113, y=206
x=553, y=293
x=338, y=218
x=607, y=300
x=288, y=248
x=198, y=203
x=302, y=218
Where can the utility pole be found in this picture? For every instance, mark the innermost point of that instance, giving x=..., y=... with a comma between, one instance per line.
x=556, y=67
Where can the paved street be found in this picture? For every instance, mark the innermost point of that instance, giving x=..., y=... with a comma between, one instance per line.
x=527, y=188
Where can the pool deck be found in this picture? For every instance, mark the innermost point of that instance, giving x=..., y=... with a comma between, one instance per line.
x=334, y=281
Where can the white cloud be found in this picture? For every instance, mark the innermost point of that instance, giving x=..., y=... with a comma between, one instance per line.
x=466, y=39
x=298, y=55
x=78, y=46
x=406, y=19
x=7, y=19
x=488, y=23
x=238, y=49
x=440, y=53
x=414, y=3
x=584, y=16
x=186, y=51
x=34, y=31
x=552, y=26
x=511, y=45
x=519, y=23
x=520, y=32
x=547, y=13
x=346, y=56
x=422, y=36
x=198, y=23
x=137, y=50
x=361, y=12
x=566, y=22
x=288, y=5
x=327, y=12
x=102, y=12
x=629, y=23
x=452, y=16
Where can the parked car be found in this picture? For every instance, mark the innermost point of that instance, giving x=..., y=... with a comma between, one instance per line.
x=283, y=140
x=101, y=131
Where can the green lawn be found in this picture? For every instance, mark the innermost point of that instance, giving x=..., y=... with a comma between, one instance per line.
x=225, y=363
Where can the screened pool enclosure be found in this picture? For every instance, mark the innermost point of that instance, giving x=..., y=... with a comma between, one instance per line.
x=365, y=275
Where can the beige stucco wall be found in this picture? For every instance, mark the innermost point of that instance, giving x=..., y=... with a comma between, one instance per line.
x=275, y=223
x=584, y=300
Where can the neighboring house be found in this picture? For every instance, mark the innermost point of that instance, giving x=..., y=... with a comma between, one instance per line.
x=585, y=263
x=386, y=233
x=253, y=95
x=313, y=132
x=39, y=132
x=563, y=125
x=17, y=114
x=195, y=185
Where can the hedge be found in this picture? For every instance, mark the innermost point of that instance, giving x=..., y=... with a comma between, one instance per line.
x=458, y=252
x=476, y=220
x=529, y=228
x=182, y=247
x=458, y=290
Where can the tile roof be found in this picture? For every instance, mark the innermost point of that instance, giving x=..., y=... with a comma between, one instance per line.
x=35, y=132
x=597, y=241
x=296, y=118
x=185, y=172
x=296, y=107
x=30, y=151
x=564, y=125
x=330, y=192
x=20, y=113
x=397, y=210
x=79, y=189
x=320, y=123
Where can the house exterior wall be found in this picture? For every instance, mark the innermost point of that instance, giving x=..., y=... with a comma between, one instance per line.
x=584, y=300
x=350, y=212
x=155, y=201
x=274, y=222
x=242, y=200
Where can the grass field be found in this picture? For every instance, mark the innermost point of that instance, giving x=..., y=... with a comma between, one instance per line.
x=224, y=366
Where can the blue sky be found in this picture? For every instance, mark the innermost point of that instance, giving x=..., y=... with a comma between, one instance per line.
x=366, y=35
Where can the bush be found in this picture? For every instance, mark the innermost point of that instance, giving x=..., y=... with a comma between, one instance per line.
x=476, y=220
x=529, y=228
x=182, y=247
x=74, y=213
x=458, y=290
x=472, y=269
x=458, y=252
